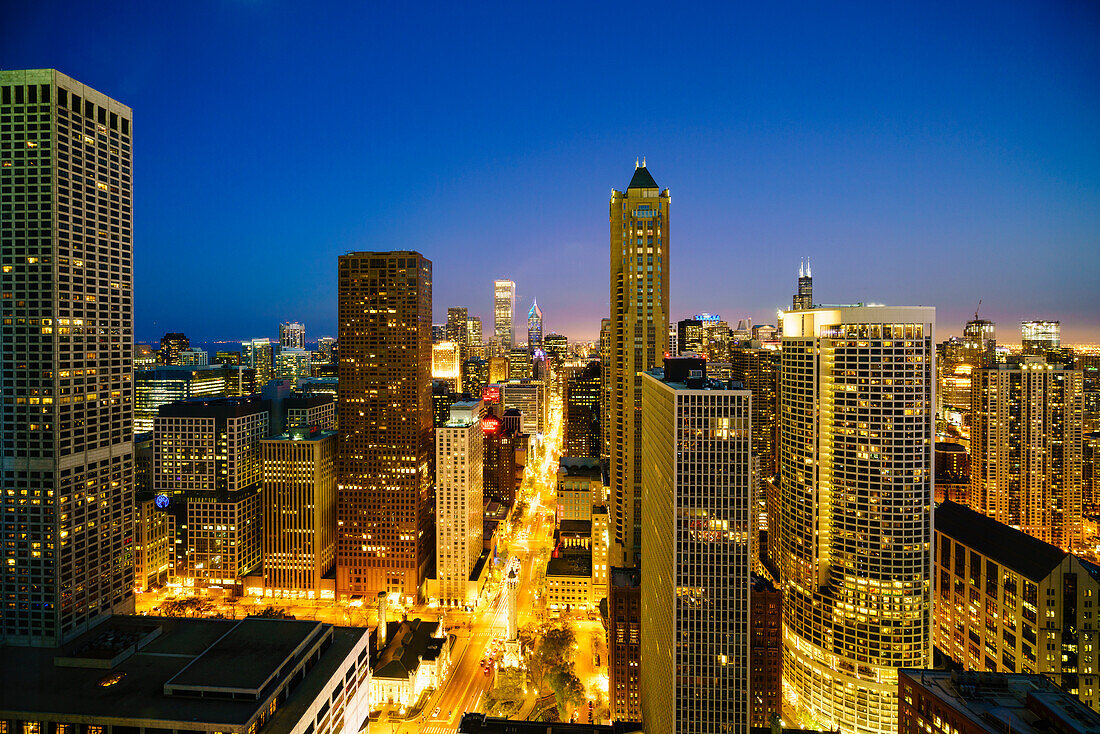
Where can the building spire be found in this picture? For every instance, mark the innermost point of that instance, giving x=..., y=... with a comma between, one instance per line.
x=636, y=166
x=808, y=273
x=801, y=268
x=643, y=161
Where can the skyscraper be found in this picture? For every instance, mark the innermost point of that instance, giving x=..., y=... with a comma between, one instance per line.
x=385, y=506
x=855, y=515
x=459, y=459
x=457, y=330
x=292, y=335
x=534, y=327
x=804, y=299
x=504, y=306
x=696, y=479
x=1025, y=448
x=638, y=341
x=259, y=355
x=170, y=347
x=1039, y=336
x=66, y=355
x=582, y=412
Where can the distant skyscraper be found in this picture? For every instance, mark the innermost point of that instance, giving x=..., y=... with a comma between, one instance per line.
x=691, y=338
x=299, y=511
x=385, y=507
x=1025, y=448
x=534, y=327
x=192, y=356
x=259, y=355
x=326, y=345
x=474, y=336
x=458, y=329
x=292, y=335
x=292, y=363
x=804, y=299
x=638, y=341
x=459, y=459
x=673, y=340
x=697, y=481
x=605, y=393
x=855, y=514
x=68, y=460
x=504, y=307
x=170, y=347
x=1040, y=336
x=446, y=363
x=582, y=412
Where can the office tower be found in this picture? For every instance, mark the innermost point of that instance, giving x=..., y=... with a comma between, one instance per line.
x=1037, y=337
x=475, y=375
x=170, y=347
x=443, y=397
x=504, y=306
x=227, y=358
x=169, y=384
x=499, y=474
x=287, y=408
x=292, y=363
x=1025, y=448
x=758, y=371
x=855, y=508
x=582, y=412
x=499, y=369
x=979, y=347
x=766, y=643
x=385, y=506
x=259, y=355
x=624, y=643
x=207, y=464
x=556, y=346
x=66, y=355
x=457, y=330
x=696, y=479
x=520, y=364
x=638, y=341
x=690, y=337
x=474, y=337
x=459, y=500
x=326, y=345
x=605, y=395
x=534, y=328
x=529, y=397
x=292, y=335
x=193, y=356
x=804, y=299
x=1009, y=602
x=968, y=702
x=446, y=363
x=299, y=511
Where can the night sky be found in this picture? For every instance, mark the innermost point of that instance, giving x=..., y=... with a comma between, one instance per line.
x=917, y=153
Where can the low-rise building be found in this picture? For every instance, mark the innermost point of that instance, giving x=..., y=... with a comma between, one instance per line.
x=414, y=659
x=954, y=702
x=580, y=488
x=569, y=582
x=150, y=675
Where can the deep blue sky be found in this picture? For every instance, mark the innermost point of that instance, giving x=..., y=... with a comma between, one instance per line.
x=919, y=154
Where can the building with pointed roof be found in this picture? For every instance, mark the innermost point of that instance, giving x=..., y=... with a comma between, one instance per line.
x=534, y=327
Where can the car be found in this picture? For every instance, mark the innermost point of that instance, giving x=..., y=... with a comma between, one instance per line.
x=436, y=712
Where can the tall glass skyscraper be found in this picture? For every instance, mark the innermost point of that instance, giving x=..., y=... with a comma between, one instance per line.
x=67, y=357
x=534, y=327
x=504, y=308
x=854, y=519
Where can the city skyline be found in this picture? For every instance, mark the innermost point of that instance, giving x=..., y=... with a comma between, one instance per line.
x=870, y=138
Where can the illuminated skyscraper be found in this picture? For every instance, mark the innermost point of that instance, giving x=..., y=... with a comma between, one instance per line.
x=855, y=515
x=457, y=330
x=804, y=299
x=68, y=453
x=260, y=356
x=582, y=412
x=696, y=479
x=292, y=335
x=385, y=509
x=1025, y=448
x=170, y=347
x=446, y=364
x=605, y=391
x=459, y=472
x=504, y=307
x=638, y=342
x=534, y=327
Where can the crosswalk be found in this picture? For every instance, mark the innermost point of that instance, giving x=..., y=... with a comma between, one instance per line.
x=436, y=729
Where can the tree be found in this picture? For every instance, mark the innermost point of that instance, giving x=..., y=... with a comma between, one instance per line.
x=190, y=607
x=273, y=613
x=567, y=687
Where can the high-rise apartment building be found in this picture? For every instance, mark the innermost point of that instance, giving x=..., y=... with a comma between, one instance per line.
x=504, y=307
x=673, y=340
x=385, y=504
x=1037, y=337
x=459, y=499
x=582, y=412
x=66, y=356
x=605, y=391
x=854, y=520
x=1008, y=602
x=534, y=327
x=292, y=335
x=170, y=347
x=457, y=330
x=326, y=346
x=1025, y=448
x=259, y=354
x=638, y=340
x=804, y=299
x=207, y=465
x=697, y=489
x=292, y=363
x=193, y=356
x=298, y=511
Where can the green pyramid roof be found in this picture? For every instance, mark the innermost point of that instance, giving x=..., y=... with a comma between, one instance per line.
x=642, y=179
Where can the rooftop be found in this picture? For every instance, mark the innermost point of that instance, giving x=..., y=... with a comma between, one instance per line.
x=642, y=179
x=1006, y=545
x=408, y=643
x=579, y=466
x=570, y=565
x=303, y=433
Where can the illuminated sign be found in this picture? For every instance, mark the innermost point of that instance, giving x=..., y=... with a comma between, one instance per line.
x=162, y=501
x=490, y=424
x=491, y=393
